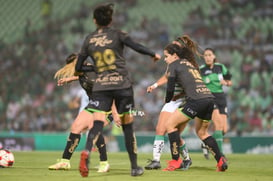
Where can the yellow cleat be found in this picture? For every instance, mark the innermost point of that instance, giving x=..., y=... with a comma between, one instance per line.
x=62, y=164
x=104, y=167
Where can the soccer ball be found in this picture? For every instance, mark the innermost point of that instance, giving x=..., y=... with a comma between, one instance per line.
x=6, y=158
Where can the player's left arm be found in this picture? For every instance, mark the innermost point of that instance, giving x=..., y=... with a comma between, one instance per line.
x=227, y=76
x=80, y=66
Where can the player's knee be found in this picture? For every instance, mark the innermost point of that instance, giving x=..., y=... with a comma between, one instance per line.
x=160, y=130
x=77, y=128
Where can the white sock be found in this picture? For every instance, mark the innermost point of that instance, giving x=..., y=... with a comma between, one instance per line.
x=184, y=152
x=158, y=147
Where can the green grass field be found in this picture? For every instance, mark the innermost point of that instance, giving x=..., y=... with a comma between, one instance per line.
x=32, y=166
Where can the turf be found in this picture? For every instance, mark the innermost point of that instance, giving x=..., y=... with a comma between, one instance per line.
x=32, y=166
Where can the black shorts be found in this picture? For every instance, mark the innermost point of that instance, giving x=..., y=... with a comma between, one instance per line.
x=101, y=101
x=201, y=108
x=220, y=102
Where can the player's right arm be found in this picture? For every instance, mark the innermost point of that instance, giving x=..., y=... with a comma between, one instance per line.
x=161, y=81
x=66, y=80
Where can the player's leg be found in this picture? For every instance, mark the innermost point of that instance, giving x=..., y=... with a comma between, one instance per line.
x=172, y=122
x=225, y=123
x=104, y=165
x=93, y=135
x=219, y=118
x=104, y=105
x=124, y=101
x=218, y=124
x=82, y=121
x=187, y=162
x=165, y=113
x=131, y=145
x=210, y=142
x=218, y=133
x=158, y=141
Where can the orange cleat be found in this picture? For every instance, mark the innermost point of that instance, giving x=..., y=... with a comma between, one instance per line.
x=84, y=164
x=222, y=165
x=173, y=165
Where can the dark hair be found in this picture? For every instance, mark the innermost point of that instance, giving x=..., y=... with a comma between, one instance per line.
x=174, y=48
x=182, y=53
x=186, y=41
x=103, y=14
x=71, y=58
x=213, y=51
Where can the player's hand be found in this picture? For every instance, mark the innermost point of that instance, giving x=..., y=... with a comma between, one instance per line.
x=156, y=57
x=61, y=82
x=152, y=87
x=117, y=122
x=116, y=119
x=224, y=82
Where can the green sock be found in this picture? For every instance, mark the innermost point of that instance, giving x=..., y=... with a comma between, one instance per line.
x=218, y=136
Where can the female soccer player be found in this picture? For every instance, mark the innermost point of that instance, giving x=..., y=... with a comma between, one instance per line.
x=198, y=104
x=165, y=112
x=105, y=46
x=215, y=75
x=84, y=120
x=168, y=109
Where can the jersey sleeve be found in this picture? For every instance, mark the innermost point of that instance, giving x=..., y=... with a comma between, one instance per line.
x=226, y=74
x=128, y=41
x=80, y=67
x=170, y=84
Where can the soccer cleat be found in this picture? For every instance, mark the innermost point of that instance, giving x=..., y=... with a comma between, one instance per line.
x=205, y=151
x=153, y=165
x=173, y=165
x=137, y=171
x=62, y=164
x=186, y=164
x=225, y=157
x=84, y=163
x=222, y=165
x=103, y=167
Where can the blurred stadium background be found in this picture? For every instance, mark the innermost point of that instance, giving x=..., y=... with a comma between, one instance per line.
x=37, y=35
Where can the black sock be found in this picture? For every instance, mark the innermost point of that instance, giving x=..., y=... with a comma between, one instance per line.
x=213, y=147
x=71, y=144
x=93, y=134
x=174, y=139
x=130, y=143
x=102, y=148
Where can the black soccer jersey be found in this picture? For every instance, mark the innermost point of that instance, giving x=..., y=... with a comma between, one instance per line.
x=182, y=72
x=177, y=89
x=87, y=81
x=105, y=46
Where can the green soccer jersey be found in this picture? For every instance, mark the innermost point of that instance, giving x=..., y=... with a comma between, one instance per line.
x=212, y=77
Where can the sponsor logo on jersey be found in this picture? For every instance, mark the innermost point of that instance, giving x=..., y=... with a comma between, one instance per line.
x=207, y=72
x=109, y=79
x=100, y=41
